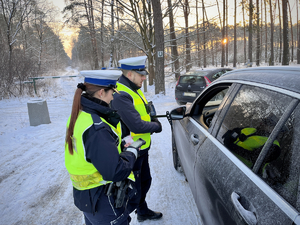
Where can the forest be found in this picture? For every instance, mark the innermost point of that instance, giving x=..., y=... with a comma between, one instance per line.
x=179, y=34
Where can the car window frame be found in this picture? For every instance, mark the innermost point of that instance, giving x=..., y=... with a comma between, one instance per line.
x=204, y=95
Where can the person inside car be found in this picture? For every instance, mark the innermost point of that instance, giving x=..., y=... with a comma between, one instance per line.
x=247, y=142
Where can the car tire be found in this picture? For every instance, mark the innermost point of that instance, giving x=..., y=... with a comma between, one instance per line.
x=176, y=159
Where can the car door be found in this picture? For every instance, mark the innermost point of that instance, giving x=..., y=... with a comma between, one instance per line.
x=230, y=191
x=187, y=143
x=202, y=118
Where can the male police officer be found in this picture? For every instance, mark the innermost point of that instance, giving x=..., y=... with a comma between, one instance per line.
x=132, y=106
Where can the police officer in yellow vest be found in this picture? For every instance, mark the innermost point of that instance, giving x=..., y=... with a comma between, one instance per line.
x=94, y=155
x=133, y=108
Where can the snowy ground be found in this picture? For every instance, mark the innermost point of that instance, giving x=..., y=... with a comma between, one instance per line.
x=34, y=185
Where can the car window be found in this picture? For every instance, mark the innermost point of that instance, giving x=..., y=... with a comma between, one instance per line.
x=205, y=108
x=202, y=73
x=190, y=79
x=217, y=75
x=245, y=129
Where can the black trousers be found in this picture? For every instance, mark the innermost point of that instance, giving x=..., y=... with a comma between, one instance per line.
x=143, y=180
x=106, y=213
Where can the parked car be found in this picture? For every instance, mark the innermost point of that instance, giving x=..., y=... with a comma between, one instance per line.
x=192, y=83
x=238, y=146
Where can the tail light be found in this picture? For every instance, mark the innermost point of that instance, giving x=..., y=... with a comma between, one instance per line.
x=207, y=81
x=178, y=81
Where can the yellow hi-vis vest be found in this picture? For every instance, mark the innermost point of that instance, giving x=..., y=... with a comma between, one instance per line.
x=251, y=143
x=139, y=105
x=83, y=174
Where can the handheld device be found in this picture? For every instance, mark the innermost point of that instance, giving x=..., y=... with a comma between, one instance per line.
x=138, y=143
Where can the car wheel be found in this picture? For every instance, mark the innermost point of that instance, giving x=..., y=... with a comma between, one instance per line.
x=176, y=160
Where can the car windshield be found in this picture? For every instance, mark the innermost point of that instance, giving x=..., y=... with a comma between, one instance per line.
x=191, y=79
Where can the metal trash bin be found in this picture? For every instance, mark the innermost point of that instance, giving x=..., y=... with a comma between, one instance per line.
x=38, y=112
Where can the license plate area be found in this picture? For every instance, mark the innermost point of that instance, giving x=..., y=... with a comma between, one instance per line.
x=189, y=94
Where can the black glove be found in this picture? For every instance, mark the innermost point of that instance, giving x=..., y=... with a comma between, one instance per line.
x=160, y=127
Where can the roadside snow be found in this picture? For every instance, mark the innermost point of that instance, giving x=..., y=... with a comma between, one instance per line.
x=34, y=185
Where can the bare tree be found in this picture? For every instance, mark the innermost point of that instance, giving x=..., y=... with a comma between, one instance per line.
x=223, y=35
x=186, y=12
x=250, y=30
x=244, y=28
x=292, y=33
x=142, y=17
x=285, y=54
x=159, y=47
x=204, y=31
x=266, y=33
x=298, y=34
x=257, y=34
x=14, y=14
x=198, y=36
x=271, y=61
x=280, y=36
x=43, y=14
x=101, y=33
x=84, y=9
x=226, y=35
x=174, y=52
x=234, y=41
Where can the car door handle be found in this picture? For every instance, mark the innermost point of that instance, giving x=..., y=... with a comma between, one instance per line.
x=195, y=139
x=244, y=208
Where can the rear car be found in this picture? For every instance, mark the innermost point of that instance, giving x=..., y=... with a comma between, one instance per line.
x=192, y=83
x=238, y=146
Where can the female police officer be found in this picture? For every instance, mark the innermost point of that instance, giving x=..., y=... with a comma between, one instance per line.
x=93, y=151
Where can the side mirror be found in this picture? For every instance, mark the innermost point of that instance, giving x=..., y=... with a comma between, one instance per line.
x=178, y=113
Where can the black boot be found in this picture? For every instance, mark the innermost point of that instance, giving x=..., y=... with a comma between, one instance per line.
x=150, y=215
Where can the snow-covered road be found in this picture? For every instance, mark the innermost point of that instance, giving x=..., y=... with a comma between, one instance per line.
x=34, y=185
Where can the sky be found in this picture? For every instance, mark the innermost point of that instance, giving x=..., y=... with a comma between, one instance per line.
x=35, y=187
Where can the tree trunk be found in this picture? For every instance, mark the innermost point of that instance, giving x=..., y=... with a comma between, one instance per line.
x=186, y=12
x=234, y=41
x=266, y=33
x=244, y=26
x=198, y=36
x=292, y=34
x=159, y=43
x=271, y=61
x=112, y=36
x=223, y=36
x=90, y=17
x=204, y=38
x=280, y=36
x=250, y=31
x=226, y=34
x=285, y=54
x=174, y=52
x=101, y=35
x=257, y=34
x=298, y=35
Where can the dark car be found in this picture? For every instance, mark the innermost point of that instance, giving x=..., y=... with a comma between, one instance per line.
x=191, y=84
x=238, y=146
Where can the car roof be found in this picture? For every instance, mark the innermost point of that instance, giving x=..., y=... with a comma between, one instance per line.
x=204, y=70
x=286, y=77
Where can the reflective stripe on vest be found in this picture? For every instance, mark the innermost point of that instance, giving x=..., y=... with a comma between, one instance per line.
x=139, y=106
x=82, y=173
